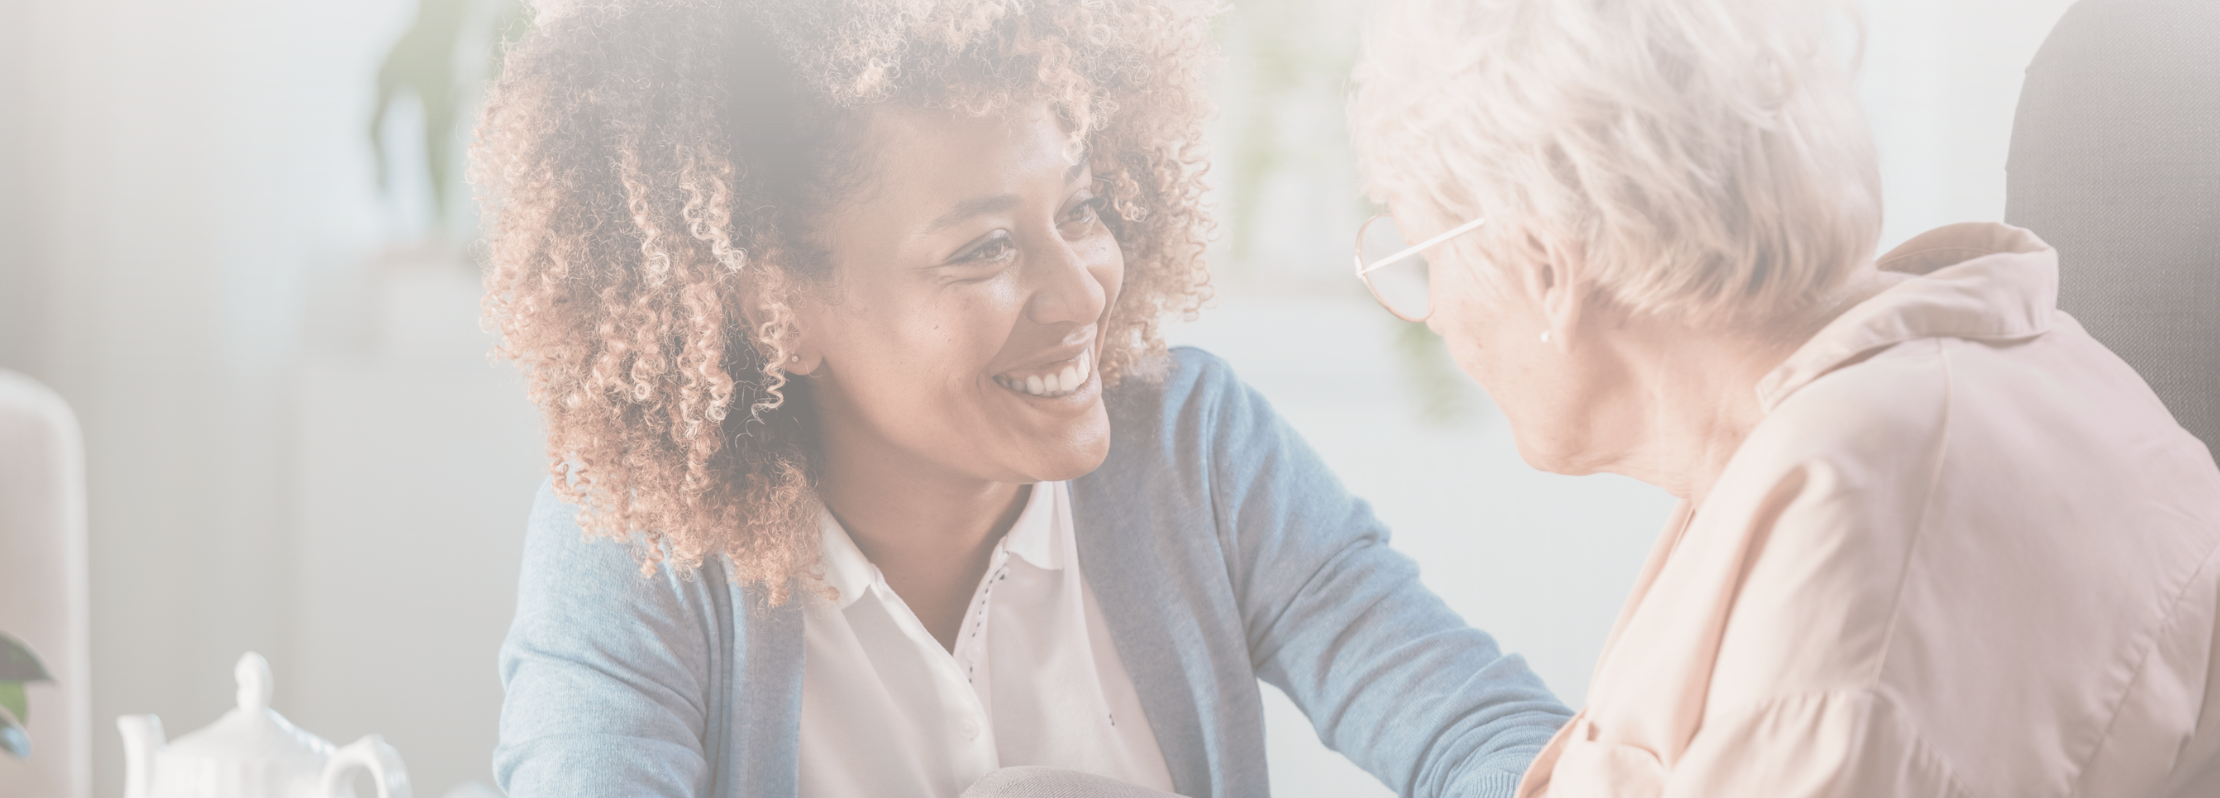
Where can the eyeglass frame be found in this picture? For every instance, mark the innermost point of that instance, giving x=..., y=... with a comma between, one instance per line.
x=1365, y=272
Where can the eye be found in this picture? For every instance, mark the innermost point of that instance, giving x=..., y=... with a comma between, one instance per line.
x=1080, y=220
x=983, y=260
x=995, y=248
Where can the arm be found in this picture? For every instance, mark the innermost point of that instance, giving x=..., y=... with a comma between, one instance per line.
x=1387, y=673
x=1813, y=745
x=606, y=671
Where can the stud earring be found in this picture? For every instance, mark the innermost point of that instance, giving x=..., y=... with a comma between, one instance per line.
x=798, y=358
x=1545, y=336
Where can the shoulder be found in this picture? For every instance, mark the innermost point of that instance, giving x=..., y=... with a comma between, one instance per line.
x=1859, y=447
x=1184, y=382
x=572, y=577
x=1188, y=412
x=553, y=540
x=1813, y=523
x=613, y=676
x=1160, y=423
x=1171, y=409
x=1898, y=398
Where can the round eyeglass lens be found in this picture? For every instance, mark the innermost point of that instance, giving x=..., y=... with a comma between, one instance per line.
x=1401, y=285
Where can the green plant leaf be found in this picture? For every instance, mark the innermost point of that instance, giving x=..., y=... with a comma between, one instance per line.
x=422, y=64
x=11, y=699
x=17, y=663
x=13, y=738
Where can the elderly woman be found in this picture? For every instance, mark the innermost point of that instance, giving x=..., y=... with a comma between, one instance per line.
x=1934, y=540
x=871, y=474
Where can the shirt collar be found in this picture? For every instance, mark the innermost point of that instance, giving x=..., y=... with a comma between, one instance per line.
x=1036, y=538
x=846, y=569
x=1974, y=280
x=1041, y=527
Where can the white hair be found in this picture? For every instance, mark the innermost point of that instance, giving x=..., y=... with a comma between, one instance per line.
x=1707, y=159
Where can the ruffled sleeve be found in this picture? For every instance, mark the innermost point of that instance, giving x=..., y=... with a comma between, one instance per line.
x=1838, y=744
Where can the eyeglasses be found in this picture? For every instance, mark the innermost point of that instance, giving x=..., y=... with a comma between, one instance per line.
x=1402, y=291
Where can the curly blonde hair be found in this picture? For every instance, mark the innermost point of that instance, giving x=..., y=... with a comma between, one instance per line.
x=651, y=169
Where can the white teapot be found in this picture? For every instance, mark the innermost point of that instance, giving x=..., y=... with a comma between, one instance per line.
x=251, y=752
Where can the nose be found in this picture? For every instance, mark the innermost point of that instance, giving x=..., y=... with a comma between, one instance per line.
x=1066, y=287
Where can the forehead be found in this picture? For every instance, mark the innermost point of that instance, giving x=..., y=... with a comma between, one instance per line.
x=918, y=155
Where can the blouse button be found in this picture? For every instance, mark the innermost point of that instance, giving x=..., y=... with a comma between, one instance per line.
x=969, y=727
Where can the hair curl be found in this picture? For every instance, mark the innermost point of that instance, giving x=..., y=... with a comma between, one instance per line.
x=651, y=168
x=1708, y=158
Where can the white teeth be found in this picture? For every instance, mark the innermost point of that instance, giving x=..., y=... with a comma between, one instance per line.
x=1054, y=383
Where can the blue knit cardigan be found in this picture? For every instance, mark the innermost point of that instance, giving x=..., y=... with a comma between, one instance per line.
x=1221, y=549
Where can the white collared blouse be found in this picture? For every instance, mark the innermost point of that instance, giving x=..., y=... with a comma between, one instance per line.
x=1033, y=678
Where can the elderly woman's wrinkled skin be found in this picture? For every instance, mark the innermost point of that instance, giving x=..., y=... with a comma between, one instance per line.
x=1607, y=391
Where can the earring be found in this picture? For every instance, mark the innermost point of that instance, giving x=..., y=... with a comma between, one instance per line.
x=798, y=358
x=1545, y=336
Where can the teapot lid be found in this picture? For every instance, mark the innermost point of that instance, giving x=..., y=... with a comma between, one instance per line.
x=252, y=730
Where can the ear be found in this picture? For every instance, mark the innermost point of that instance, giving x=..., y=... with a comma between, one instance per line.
x=803, y=356
x=1555, y=280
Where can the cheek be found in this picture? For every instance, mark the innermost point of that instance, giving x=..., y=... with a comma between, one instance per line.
x=1106, y=264
x=950, y=343
x=901, y=356
x=1471, y=329
x=1498, y=345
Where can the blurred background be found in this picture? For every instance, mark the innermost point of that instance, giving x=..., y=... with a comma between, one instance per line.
x=233, y=236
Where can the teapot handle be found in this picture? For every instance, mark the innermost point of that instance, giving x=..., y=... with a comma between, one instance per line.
x=370, y=753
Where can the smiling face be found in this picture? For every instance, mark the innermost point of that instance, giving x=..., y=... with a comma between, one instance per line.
x=970, y=285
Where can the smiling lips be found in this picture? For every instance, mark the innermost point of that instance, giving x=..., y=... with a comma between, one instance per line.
x=1052, y=380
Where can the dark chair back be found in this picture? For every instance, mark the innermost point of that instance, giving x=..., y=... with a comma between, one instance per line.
x=2116, y=162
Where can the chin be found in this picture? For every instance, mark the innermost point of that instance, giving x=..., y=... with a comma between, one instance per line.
x=1541, y=461
x=1068, y=471
x=1077, y=452
x=1050, y=438
x=1553, y=459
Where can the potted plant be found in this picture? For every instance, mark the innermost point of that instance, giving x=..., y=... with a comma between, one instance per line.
x=18, y=666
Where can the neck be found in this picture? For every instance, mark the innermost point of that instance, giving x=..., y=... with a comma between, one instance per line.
x=898, y=515
x=930, y=533
x=1698, y=397
x=1691, y=394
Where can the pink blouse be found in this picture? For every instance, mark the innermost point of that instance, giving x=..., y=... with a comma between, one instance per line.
x=1967, y=553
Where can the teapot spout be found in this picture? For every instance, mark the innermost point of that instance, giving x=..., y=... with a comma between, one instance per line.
x=142, y=739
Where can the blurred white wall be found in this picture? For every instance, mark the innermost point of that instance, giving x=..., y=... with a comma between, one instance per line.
x=294, y=446
x=1941, y=79
x=188, y=230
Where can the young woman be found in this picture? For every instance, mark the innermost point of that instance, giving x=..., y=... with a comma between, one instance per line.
x=870, y=472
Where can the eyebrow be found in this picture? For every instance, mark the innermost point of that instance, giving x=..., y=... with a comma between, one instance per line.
x=1001, y=202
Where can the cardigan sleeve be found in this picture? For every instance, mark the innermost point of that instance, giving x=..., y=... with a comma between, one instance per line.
x=1388, y=674
x=606, y=672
